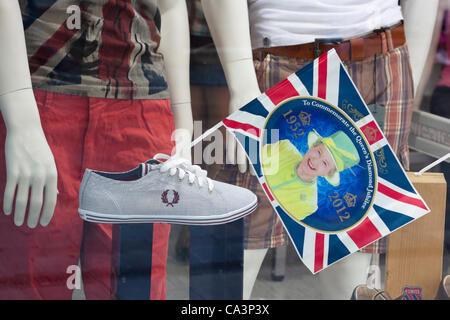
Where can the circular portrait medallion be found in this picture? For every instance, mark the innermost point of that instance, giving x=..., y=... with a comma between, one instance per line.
x=318, y=164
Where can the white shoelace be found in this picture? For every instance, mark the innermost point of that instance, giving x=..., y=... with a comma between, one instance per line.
x=183, y=167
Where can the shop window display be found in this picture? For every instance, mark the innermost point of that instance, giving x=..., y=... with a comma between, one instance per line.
x=91, y=93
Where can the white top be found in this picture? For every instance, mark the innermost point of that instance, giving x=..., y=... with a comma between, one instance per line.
x=289, y=22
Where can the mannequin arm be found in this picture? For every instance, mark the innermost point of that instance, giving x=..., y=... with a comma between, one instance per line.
x=29, y=161
x=174, y=46
x=229, y=26
x=420, y=23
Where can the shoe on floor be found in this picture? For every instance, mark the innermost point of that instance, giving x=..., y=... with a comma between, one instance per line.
x=173, y=191
x=444, y=289
x=363, y=292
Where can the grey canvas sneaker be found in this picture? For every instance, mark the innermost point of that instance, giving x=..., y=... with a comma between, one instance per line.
x=173, y=191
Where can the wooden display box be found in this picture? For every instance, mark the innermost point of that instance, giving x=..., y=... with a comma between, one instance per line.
x=414, y=254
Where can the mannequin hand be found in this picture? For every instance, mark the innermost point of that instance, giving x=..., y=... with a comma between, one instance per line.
x=235, y=153
x=182, y=135
x=29, y=163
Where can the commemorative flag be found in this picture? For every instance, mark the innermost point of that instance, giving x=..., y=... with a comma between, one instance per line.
x=324, y=163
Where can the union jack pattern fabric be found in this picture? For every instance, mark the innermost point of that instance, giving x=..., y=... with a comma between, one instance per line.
x=95, y=48
x=395, y=201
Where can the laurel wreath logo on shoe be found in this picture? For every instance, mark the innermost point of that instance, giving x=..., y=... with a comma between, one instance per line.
x=175, y=197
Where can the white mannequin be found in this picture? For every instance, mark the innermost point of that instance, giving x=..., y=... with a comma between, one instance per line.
x=231, y=33
x=339, y=280
x=29, y=161
x=28, y=156
x=174, y=45
x=229, y=27
x=420, y=20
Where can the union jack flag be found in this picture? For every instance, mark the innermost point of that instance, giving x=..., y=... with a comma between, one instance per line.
x=395, y=200
x=110, y=54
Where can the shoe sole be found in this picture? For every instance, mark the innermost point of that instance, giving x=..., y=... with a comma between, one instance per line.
x=91, y=216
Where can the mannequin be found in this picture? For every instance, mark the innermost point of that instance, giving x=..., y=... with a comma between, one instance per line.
x=420, y=19
x=419, y=23
x=18, y=105
x=29, y=159
x=234, y=50
x=177, y=68
x=353, y=269
x=30, y=162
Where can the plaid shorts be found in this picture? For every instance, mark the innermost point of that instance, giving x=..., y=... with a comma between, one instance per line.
x=382, y=79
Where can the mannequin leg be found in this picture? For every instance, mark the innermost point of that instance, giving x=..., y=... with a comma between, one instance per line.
x=338, y=281
x=252, y=263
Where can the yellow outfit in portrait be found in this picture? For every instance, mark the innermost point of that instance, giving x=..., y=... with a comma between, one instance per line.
x=279, y=162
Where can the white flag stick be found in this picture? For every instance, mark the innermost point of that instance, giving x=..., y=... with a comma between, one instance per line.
x=197, y=140
x=431, y=165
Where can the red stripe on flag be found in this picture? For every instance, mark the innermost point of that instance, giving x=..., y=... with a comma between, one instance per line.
x=318, y=259
x=281, y=91
x=322, y=75
x=364, y=233
x=400, y=196
x=243, y=126
x=267, y=192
